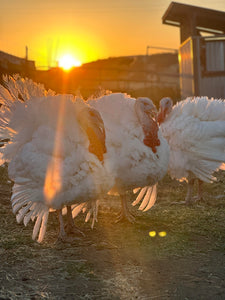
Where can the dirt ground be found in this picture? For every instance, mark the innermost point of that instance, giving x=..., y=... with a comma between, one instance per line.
x=121, y=261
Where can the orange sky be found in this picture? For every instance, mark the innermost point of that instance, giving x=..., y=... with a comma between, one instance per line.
x=87, y=29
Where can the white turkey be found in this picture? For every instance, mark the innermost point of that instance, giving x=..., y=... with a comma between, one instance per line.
x=136, y=145
x=195, y=131
x=56, y=154
x=134, y=142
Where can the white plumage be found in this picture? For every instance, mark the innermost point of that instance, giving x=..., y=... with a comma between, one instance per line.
x=53, y=156
x=137, y=154
x=195, y=131
x=136, y=144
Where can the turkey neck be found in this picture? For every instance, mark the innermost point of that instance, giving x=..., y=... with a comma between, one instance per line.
x=96, y=146
x=150, y=129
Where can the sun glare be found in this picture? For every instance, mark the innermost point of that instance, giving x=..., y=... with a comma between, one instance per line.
x=68, y=61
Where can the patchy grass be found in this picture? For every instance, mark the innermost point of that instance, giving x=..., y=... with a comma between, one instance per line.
x=120, y=261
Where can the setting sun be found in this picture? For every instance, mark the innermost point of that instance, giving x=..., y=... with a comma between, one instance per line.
x=68, y=61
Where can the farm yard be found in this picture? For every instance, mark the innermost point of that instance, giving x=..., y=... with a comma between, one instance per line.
x=173, y=251
x=148, y=104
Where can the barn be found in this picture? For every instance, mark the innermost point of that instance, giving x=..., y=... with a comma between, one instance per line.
x=202, y=49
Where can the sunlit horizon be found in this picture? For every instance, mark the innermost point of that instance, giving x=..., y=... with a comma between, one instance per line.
x=88, y=30
x=67, y=62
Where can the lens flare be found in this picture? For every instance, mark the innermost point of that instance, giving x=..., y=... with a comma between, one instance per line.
x=162, y=233
x=52, y=183
x=53, y=178
x=152, y=233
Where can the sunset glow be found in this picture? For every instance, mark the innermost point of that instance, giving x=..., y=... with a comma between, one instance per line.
x=89, y=30
x=67, y=62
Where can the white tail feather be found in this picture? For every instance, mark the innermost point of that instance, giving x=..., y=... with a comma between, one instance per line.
x=43, y=226
x=19, y=205
x=95, y=213
x=91, y=208
x=146, y=199
x=76, y=209
x=88, y=215
x=152, y=199
x=27, y=206
x=27, y=218
x=140, y=196
x=17, y=201
x=136, y=190
x=23, y=212
x=148, y=196
x=37, y=225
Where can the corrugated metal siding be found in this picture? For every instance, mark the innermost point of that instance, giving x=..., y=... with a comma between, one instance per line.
x=213, y=87
x=207, y=70
x=215, y=56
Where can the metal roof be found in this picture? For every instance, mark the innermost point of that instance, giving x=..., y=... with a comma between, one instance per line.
x=198, y=18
